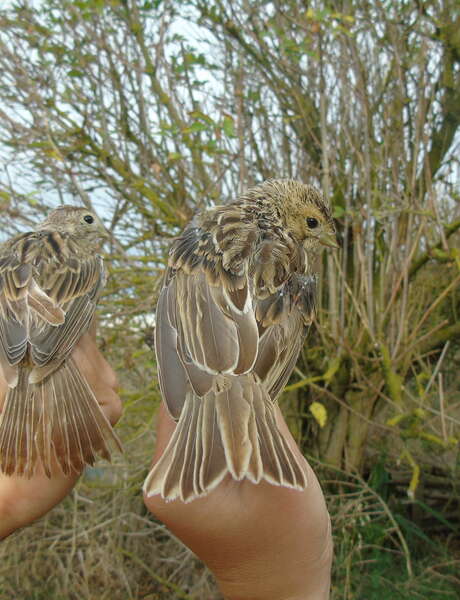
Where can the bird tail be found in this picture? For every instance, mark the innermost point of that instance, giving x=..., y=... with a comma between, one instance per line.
x=57, y=420
x=231, y=430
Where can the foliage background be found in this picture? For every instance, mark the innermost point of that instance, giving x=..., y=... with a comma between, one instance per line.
x=150, y=110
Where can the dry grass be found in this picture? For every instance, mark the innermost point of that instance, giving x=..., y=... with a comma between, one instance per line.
x=101, y=543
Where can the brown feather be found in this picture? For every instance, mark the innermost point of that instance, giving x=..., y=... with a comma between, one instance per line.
x=50, y=281
x=239, y=296
x=210, y=335
x=233, y=431
x=233, y=411
x=213, y=467
x=172, y=377
x=55, y=421
x=246, y=328
x=42, y=304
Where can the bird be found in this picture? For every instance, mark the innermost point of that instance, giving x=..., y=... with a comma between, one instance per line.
x=50, y=282
x=236, y=302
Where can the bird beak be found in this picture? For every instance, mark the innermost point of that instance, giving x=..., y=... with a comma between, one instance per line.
x=327, y=238
x=105, y=235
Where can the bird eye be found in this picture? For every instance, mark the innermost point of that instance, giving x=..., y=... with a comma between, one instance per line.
x=88, y=218
x=312, y=222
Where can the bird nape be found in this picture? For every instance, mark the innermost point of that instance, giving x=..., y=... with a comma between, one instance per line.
x=237, y=299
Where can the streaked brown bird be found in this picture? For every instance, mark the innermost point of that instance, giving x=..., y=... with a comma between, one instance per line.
x=50, y=282
x=238, y=296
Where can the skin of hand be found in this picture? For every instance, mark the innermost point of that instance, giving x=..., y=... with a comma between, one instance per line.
x=260, y=541
x=23, y=500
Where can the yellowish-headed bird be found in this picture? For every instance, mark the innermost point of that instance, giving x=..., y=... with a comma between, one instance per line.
x=50, y=282
x=237, y=299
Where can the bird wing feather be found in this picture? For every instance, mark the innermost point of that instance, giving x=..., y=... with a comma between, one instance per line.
x=171, y=372
x=51, y=344
x=48, y=295
x=283, y=318
x=215, y=323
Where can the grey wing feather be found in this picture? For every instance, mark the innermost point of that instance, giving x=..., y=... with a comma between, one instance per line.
x=283, y=318
x=13, y=308
x=44, y=302
x=279, y=349
x=212, y=335
x=171, y=373
x=50, y=345
x=207, y=330
x=209, y=335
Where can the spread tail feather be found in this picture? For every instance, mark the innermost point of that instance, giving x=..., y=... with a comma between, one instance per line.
x=57, y=420
x=231, y=431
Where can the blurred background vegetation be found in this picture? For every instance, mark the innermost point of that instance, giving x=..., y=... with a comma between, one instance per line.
x=148, y=110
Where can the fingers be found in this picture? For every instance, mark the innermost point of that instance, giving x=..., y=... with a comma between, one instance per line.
x=165, y=429
x=3, y=389
x=23, y=500
x=100, y=376
x=251, y=535
x=92, y=363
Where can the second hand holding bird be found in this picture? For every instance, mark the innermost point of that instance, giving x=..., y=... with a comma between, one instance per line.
x=24, y=499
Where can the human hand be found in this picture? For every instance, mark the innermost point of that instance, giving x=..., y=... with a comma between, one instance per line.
x=23, y=500
x=262, y=542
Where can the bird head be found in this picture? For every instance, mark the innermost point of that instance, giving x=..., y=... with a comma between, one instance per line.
x=304, y=212
x=77, y=221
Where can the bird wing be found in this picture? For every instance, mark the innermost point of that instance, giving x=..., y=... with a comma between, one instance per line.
x=14, y=281
x=283, y=320
x=48, y=294
x=279, y=349
x=209, y=322
x=205, y=321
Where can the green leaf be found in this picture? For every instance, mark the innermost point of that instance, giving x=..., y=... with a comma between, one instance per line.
x=409, y=526
x=196, y=127
x=174, y=156
x=338, y=212
x=197, y=114
x=332, y=369
x=436, y=514
x=75, y=73
x=228, y=126
x=319, y=411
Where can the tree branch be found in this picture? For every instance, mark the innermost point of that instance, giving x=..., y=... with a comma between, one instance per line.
x=426, y=256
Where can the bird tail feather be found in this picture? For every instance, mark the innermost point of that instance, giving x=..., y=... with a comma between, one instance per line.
x=231, y=430
x=55, y=421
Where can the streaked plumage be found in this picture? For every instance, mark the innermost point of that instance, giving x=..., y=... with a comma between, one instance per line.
x=238, y=296
x=50, y=282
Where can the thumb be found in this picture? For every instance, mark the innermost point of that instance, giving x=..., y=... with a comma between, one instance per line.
x=165, y=428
